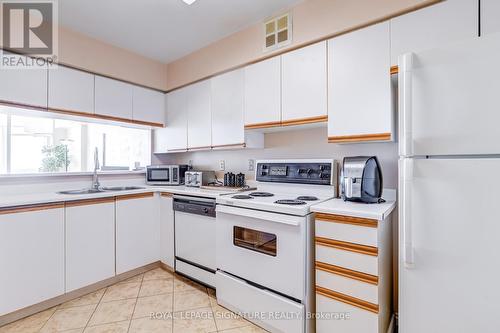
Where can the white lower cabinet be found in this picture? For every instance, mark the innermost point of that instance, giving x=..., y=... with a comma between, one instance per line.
x=167, y=230
x=90, y=242
x=31, y=256
x=137, y=236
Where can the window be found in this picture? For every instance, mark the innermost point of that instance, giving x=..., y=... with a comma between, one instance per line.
x=40, y=142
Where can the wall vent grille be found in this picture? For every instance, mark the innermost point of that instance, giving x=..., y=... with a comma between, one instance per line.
x=277, y=32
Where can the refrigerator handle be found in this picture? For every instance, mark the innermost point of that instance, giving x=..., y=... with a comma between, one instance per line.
x=405, y=104
x=406, y=216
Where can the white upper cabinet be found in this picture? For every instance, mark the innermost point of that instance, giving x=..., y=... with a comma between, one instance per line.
x=113, y=98
x=199, y=115
x=490, y=16
x=431, y=27
x=149, y=105
x=304, y=80
x=71, y=90
x=263, y=92
x=227, y=109
x=360, y=107
x=24, y=86
x=175, y=134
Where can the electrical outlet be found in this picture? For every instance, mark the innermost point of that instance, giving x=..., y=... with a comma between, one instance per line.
x=251, y=165
x=222, y=165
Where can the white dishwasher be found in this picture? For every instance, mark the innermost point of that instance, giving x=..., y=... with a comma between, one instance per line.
x=195, y=238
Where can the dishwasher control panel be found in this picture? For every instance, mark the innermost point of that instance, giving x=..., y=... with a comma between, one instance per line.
x=195, y=205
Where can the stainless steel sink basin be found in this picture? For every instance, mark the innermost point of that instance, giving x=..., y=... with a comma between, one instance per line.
x=84, y=191
x=122, y=188
x=102, y=189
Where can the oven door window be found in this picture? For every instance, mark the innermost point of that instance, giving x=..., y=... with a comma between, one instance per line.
x=255, y=240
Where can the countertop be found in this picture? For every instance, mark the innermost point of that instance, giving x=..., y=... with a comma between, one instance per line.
x=356, y=209
x=52, y=196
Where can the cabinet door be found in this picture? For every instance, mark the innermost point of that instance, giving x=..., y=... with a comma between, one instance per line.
x=31, y=257
x=71, y=89
x=137, y=231
x=360, y=105
x=303, y=82
x=434, y=26
x=90, y=243
x=24, y=86
x=263, y=92
x=167, y=229
x=149, y=105
x=199, y=115
x=227, y=109
x=113, y=98
x=174, y=136
x=490, y=16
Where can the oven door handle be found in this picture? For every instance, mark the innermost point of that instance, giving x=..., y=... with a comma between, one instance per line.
x=257, y=214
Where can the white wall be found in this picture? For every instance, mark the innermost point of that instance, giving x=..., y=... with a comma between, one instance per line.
x=305, y=143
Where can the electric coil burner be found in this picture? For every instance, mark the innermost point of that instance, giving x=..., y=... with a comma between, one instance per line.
x=307, y=198
x=241, y=196
x=290, y=202
x=261, y=194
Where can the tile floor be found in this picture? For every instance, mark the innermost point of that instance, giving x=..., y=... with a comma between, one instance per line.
x=179, y=304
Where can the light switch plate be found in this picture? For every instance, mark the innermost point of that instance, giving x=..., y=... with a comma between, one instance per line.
x=251, y=165
x=222, y=165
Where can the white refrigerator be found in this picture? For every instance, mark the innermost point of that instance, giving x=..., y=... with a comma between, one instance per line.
x=449, y=195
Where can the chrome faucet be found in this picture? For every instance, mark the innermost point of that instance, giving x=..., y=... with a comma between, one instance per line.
x=95, y=178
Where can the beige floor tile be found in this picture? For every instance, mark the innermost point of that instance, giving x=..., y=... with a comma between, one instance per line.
x=156, y=287
x=76, y=330
x=92, y=298
x=194, y=299
x=111, y=312
x=136, y=278
x=70, y=318
x=247, y=329
x=120, y=327
x=149, y=325
x=158, y=274
x=194, y=321
x=211, y=292
x=29, y=324
x=181, y=284
x=153, y=304
x=121, y=291
x=225, y=319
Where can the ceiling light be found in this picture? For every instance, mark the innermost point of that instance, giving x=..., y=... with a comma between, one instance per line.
x=189, y=2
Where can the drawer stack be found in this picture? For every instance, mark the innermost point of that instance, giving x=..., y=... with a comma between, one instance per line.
x=353, y=274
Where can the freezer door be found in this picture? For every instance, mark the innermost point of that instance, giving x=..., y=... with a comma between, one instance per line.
x=449, y=99
x=448, y=280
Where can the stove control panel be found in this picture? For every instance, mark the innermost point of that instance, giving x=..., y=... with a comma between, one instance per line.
x=307, y=172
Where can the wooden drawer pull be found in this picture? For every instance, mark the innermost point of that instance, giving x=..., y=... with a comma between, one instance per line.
x=135, y=196
x=31, y=208
x=347, y=220
x=349, y=273
x=87, y=202
x=363, y=249
x=359, y=303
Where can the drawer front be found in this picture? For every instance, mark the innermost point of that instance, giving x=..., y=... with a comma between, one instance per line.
x=348, y=229
x=347, y=285
x=351, y=260
x=349, y=318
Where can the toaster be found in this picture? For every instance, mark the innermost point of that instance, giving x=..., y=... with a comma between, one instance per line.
x=361, y=179
x=200, y=178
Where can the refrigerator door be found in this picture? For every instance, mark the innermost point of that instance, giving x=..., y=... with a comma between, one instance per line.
x=449, y=245
x=449, y=99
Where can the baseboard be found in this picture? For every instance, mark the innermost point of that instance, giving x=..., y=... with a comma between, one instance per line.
x=47, y=304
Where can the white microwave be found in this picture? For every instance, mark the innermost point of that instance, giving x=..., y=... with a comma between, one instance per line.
x=166, y=174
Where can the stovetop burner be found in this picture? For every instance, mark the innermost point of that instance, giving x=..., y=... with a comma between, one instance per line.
x=261, y=194
x=241, y=196
x=307, y=198
x=290, y=202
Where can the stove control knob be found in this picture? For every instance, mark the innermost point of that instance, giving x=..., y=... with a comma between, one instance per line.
x=309, y=171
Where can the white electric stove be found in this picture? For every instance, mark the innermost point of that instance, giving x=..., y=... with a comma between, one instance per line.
x=265, y=248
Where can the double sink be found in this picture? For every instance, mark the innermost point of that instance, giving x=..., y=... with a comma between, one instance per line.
x=102, y=189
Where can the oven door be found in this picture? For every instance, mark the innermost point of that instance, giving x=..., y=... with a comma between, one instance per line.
x=264, y=248
x=159, y=175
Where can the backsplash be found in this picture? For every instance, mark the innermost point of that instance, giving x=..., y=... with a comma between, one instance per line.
x=304, y=143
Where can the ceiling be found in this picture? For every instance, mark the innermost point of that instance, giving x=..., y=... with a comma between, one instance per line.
x=164, y=30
